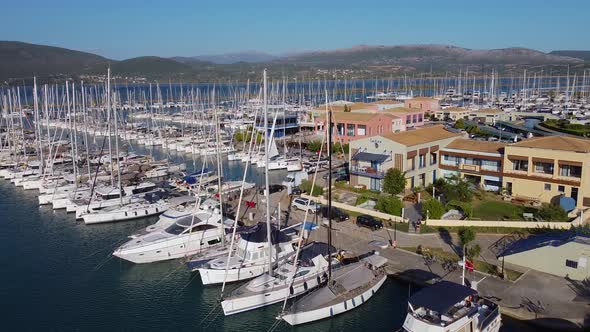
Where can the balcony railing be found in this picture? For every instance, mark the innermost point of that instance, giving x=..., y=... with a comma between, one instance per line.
x=367, y=171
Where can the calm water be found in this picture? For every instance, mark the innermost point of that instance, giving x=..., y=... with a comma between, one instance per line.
x=57, y=274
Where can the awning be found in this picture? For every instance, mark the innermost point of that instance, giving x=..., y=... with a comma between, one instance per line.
x=366, y=156
x=441, y=297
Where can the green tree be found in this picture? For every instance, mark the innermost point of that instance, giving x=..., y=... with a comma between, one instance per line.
x=306, y=186
x=456, y=188
x=390, y=205
x=314, y=146
x=434, y=207
x=460, y=124
x=473, y=252
x=394, y=181
x=466, y=236
x=346, y=108
x=239, y=136
x=340, y=148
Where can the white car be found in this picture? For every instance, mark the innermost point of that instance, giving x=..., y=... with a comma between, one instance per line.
x=305, y=204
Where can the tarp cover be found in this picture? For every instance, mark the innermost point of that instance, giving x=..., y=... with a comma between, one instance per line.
x=441, y=297
x=257, y=234
x=366, y=156
x=567, y=203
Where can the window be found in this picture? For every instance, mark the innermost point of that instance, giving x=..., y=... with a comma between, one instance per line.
x=422, y=161
x=408, y=119
x=410, y=165
x=350, y=129
x=340, y=129
x=432, y=158
x=490, y=165
x=414, y=118
x=419, y=117
x=570, y=171
x=547, y=186
x=520, y=165
x=361, y=130
x=561, y=189
x=572, y=264
x=542, y=167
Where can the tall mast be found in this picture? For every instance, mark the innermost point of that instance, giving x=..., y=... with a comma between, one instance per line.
x=329, y=189
x=266, y=152
x=219, y=168
x=116, y=143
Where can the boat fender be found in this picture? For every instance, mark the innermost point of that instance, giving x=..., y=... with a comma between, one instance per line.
x=291, y=291
x=318, y=280
x=305, y=285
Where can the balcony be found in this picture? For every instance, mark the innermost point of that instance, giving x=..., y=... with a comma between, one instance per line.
x=367, y=171
x=469, y=168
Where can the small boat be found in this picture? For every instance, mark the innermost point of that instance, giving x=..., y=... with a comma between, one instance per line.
x=450, y=307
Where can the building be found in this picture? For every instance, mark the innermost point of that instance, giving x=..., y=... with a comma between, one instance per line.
x=546, y=168
x=489, y=115
x=479, y=162
x=286, y=124
x=385, y=104
x=350, y=126
x=426, y=104
x=411, y=117
x=563, y=254
x=452, y=113
x=414, y=152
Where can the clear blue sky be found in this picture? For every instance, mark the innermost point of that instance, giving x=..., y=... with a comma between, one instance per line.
x=128, y=28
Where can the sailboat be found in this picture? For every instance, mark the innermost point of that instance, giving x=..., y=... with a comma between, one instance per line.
x=348, y=286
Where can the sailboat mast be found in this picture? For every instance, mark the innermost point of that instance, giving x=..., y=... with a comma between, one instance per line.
x=329, y=190
x=219, y=168
x=266, y=153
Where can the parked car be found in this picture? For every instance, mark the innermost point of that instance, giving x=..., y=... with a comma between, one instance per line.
x=368, y=221
x=273, y=188
x=296, y=191
x=305, y=204
x=337, y=214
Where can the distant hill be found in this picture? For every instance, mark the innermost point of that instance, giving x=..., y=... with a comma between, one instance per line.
x=424, y=56
x=230, y=58
x=151, y=66
x=19, y=59
x=583, y=55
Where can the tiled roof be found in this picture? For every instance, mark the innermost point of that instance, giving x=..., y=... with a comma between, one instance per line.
x=561, y=143
x=421, y=136
x=476, y=146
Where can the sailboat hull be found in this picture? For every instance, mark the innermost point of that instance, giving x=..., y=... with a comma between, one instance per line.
x=335, y=309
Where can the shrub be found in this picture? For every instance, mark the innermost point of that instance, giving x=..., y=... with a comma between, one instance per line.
x=390, y=205
x=314, y=146
x=306, y=187
x=464, y=207
x=434, y=207
x=552, y=212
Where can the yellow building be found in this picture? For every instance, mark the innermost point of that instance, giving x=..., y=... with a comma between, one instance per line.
x=546, y=168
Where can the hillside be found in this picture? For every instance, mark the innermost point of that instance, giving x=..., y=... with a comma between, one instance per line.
x=424, y=56
x=19, y=59
x=583, y=55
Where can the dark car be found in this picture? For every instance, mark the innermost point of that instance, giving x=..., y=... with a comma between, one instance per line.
x=368, y=221
x=296, y=191
x=337, y=214
x=273, y=188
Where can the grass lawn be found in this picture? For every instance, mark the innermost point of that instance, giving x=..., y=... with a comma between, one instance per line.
x=498, y=210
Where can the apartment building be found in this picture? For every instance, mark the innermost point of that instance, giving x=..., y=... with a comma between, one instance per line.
x=546, y=168
x=414, y=152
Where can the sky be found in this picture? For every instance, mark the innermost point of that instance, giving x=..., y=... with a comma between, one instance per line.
x=129, y=28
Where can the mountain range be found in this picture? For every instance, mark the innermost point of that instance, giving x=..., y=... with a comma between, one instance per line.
x=21, y=61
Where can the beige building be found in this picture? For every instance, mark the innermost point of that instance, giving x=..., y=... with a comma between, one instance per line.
x=452, y=113
x=546, y=168
x=480, y=162
x=414, y=152
x=562, y=254
x=426, y=104
x=489, y=115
